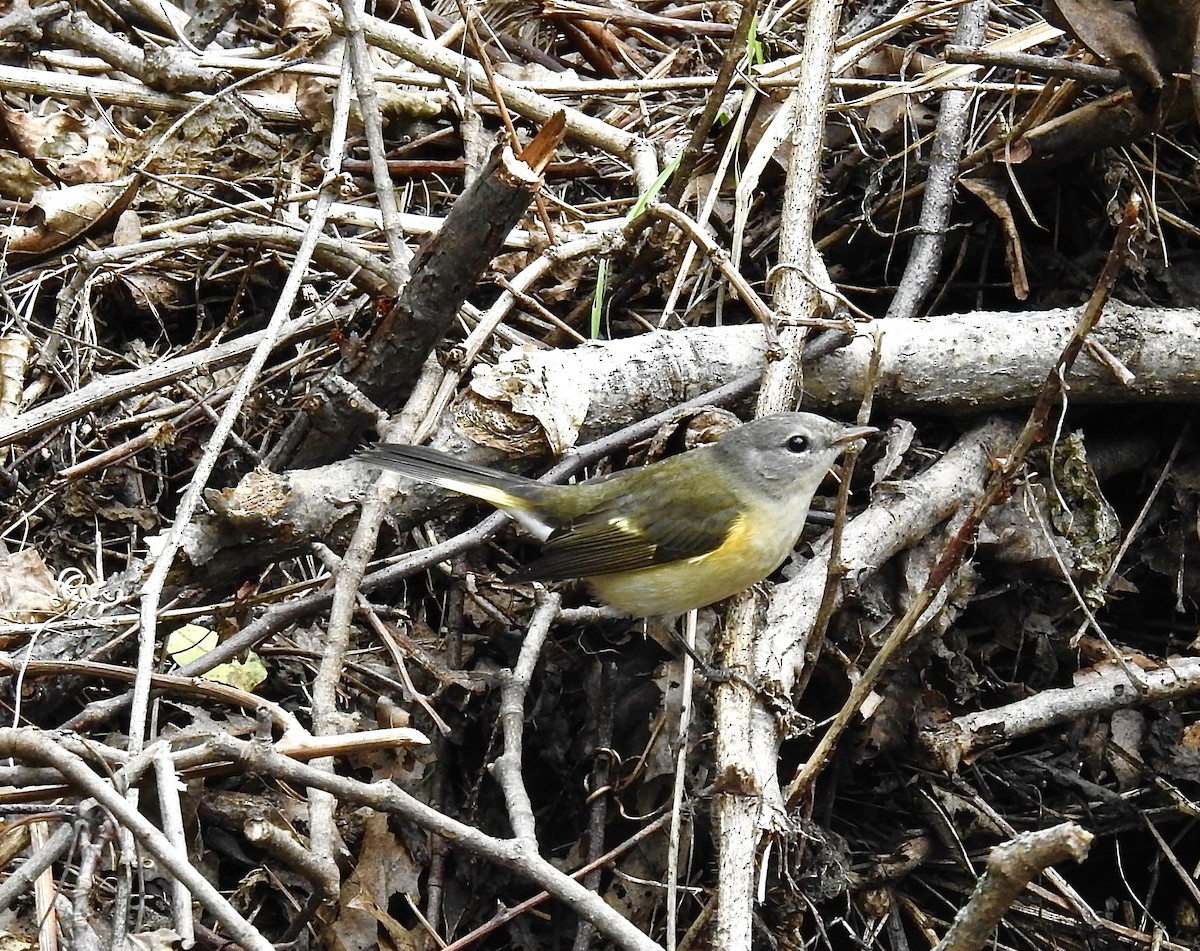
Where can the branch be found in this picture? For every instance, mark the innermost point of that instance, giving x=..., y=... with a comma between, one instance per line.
x=1011, y=867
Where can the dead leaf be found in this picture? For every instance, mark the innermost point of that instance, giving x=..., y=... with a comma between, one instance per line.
x=73, y=149
x=60, y=216
x=384, y=870
x=28, y=591
x=19, y=177
x=306, y=20
x=1147, y=41
x=162, y=938
x=1013, y=255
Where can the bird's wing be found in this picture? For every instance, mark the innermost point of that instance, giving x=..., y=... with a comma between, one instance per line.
x=620, y=535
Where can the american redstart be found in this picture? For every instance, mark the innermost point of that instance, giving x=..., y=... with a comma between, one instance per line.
x=671, y=536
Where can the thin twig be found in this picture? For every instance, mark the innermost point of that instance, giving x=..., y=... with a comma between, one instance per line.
x=42, y=747
x=810, y=653
x=386, y=796
x=508, y=768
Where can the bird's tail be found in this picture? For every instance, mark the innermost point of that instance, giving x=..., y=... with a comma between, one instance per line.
x=502, y=489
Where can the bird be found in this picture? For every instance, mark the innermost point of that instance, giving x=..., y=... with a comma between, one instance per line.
x=660, y=540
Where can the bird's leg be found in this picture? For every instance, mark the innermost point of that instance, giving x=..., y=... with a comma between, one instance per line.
x=705, y=669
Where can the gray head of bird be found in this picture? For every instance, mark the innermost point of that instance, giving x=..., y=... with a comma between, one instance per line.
x=787, y=453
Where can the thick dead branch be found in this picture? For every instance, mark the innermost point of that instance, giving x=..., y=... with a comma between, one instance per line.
x=926, y=255
x=1010, y=867
x=448, y=267
x=385, y=365
x=964, y=363
x=1095, y=693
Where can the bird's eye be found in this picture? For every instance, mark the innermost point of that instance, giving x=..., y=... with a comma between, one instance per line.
x=797, y=444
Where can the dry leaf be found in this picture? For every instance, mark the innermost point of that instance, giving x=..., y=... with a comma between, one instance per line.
x=60, y=216
x=1013, y=255
x=28, y=591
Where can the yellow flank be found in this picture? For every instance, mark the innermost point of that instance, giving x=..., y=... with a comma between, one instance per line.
x=744, y=558
x=741, y=542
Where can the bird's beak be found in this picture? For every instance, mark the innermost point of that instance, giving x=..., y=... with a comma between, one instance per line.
x=851, y=433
